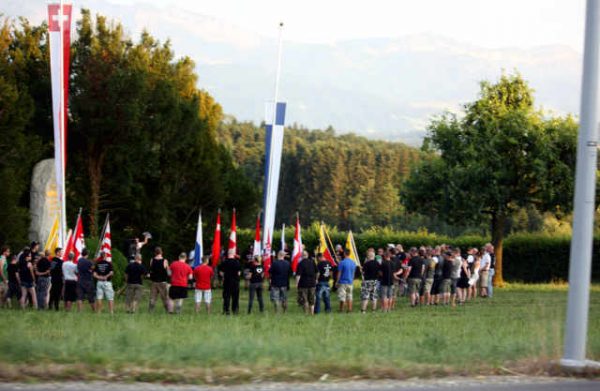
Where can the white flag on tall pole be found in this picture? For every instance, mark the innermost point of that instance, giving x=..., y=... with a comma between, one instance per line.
x=198, y=248
x=59, y=31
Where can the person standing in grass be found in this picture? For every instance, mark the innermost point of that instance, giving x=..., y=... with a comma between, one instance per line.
x=370, y=284
x=484, y=270
x=416, y=267
x=446, y=277
x=256, y=273
x=56, y=279
x=42, y=272
x=456, y=265
x=134, y=273
x=491, y=269
x=436, y=289
x=85, y=282
x=14, y=282
x=158, y=277
x=4, y=254
x=323, y=290
x=306, y=282
x=103, y=273
x=463, y=282
x=474, y=260
x=280, y=282
x=230, y=269
x=69, y=271
x=428, y=277
x=386, y=282
x=345, y=279
x=203, y=275
x=180, y=274
x=27, y=279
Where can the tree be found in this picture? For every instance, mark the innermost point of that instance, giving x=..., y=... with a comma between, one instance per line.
x=501, y=156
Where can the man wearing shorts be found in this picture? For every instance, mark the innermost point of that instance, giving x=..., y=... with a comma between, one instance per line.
x=345, y=278
x=85, y=283
x=158, y=278
x=484, y=271
x=306, y=282
x=203, y=275
x=103, y=273
x=280, y=281
x=369, y=287
x=69, y=270
x=180, y=274
x=386, y=282
x=135, y=273
x=414, y=272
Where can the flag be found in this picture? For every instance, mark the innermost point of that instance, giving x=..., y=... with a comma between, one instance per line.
x=267, y=256
x=216, y=247
x=198, y=247
x=59, y=37
x=297, y=251
x=350, y=245
x=76, y=242
x=106, y=244
x=256, y=249
x=52, y=241
x=233, y=235
x=274, y=125
x=323, y=249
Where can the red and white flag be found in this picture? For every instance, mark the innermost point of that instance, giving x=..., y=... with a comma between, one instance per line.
x=267, y=255
x=256, y=249
x=76, y=242
x=233, y=235
x=106, y=245
x=216, y=247
x=297, y=251
x=59, y=32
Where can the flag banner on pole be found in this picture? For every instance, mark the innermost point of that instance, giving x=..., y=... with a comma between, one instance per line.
x=233, y=235
x=297, y=250
x=99, y=248
x=59, y=34
x=267, y=256
x=323, y=249
x=274, y=128
x=198, y=247
x=52, y=241
x=350, y=245
x=216, y=247
x=256, y=250
x=76, y=242
x=106, y=247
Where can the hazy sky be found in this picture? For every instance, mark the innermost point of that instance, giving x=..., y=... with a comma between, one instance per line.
x=486, y=23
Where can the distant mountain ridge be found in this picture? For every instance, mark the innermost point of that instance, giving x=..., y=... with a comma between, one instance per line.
x=384, y=88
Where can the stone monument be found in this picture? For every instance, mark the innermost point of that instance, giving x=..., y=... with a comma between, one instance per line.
x=44, y=205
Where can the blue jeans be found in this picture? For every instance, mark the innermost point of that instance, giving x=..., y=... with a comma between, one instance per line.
x=490, y=280
x=323, y=291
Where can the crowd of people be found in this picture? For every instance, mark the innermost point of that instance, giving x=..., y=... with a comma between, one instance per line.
x=440, y=275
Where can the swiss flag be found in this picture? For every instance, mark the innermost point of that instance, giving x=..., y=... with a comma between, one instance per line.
x=297, y=251
x=233, y=235
x=76, y=242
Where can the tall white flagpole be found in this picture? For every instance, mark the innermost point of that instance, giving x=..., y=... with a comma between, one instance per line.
x=585, y=193
x=62, y=117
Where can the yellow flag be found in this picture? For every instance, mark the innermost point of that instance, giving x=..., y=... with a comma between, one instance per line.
x=52, y=241
x=350, y=245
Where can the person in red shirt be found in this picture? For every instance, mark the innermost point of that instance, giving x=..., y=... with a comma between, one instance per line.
x=180, y=273
x=203, y=275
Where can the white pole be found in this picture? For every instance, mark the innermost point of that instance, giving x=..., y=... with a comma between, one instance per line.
x=63, y=115
x=585, y=189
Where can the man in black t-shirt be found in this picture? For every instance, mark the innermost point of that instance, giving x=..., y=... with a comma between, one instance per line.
x=306, y=281
x=103, y=273
x=370, y=285
x=56, y=279
x=230, y=270
x=85, y=283
x=386, y=282
x=255, y=272
x=416, y=267
x=135, y=273
x=323, y=290
x=42, y=275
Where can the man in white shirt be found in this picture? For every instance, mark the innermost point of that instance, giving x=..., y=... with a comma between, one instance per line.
x=69, y=269
x=484, y=270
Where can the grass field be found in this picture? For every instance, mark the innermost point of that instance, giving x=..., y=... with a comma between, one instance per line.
x=520, y=330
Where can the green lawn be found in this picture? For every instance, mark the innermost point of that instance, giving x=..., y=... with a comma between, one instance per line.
x=519, y=330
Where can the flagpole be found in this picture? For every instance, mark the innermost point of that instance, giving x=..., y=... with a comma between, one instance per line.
x=101, y=238
x=574, y=355
x=61, y=121
x=330, y=243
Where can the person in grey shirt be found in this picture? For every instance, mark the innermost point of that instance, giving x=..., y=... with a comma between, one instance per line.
x=456, y=264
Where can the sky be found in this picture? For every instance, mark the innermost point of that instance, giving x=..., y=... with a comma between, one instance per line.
x=485, y=23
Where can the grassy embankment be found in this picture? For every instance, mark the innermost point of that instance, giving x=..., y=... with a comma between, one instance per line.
x=518, y=331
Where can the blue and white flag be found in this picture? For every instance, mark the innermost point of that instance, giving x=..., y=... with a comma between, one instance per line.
x=198, y=247
x=275, y=121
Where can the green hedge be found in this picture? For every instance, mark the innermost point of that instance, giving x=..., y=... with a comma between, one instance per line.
x=527, y=257
x=118, y=259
